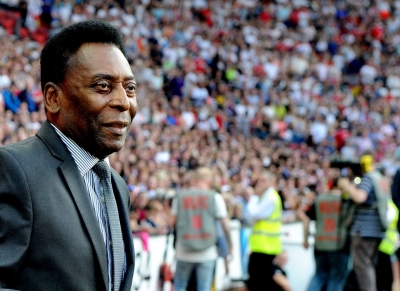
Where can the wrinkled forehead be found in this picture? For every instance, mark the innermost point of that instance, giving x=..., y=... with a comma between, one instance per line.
x=100, y=59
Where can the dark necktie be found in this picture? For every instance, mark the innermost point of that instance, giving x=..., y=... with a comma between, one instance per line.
x=116, y=242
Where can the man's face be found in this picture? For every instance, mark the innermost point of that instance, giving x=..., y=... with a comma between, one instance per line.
x=247, y=194
x=263, y=183
x=99, y=99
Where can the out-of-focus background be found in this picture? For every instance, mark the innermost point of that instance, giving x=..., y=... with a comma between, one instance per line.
x=236, y=86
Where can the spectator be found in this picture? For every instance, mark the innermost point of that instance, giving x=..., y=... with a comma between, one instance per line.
x=318, y=130
x=194, y=250
x=11, y=100
x=153, y=218
x=280, y=281
x=26, y=96
x=307, y=59
x=244, y=199
x=364, y=142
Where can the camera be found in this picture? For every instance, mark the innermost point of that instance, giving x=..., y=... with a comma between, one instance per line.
x=348, y=168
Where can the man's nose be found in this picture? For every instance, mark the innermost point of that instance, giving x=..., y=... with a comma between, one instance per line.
x=120, y=98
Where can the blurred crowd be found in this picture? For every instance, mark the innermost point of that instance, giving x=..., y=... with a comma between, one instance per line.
x=236, y=86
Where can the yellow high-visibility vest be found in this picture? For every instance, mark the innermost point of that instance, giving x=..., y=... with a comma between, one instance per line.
x=388, y=244
x=266, y=234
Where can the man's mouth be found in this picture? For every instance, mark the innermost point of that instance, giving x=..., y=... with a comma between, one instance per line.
x=118, y=128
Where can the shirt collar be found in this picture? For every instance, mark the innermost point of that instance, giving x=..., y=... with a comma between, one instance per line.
x=83, y=159
x=267, y=192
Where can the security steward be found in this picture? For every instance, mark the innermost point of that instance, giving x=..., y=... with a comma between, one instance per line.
x=387, y=248
x=265, y=214
x=332, y=212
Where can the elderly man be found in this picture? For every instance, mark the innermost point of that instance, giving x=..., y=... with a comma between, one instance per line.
x=64, y=212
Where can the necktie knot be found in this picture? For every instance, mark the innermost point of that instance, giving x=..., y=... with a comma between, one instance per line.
x=102, y=170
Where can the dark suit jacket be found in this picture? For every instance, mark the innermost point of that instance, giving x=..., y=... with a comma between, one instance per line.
x=396, y=192
x=49, y=235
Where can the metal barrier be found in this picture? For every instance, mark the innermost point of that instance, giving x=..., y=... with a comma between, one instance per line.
x=300, y=266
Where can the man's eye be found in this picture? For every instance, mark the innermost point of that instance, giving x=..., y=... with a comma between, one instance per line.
x=103, y=86
x=130, y=89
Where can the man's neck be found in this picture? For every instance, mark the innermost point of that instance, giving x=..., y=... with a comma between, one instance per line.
x=203, y=186
x=263, y=192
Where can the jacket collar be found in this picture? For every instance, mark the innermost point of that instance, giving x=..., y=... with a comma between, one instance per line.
x=76, y=186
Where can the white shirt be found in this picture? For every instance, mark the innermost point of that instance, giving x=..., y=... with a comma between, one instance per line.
x=199, y=93
x=189, y=119
x=318, y=131
x=5, y=81
x=260, y=207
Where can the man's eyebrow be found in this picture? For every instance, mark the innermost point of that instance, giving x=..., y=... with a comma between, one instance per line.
x=130, y=78
x=102, y=76
x=111, y=77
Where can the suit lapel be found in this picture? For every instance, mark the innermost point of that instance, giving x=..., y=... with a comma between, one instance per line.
x=79, y=193
x=82, y=202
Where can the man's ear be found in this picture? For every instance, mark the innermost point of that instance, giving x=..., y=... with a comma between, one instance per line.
x=51, y=95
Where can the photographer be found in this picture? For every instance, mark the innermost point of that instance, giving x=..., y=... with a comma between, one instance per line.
x=370, y=222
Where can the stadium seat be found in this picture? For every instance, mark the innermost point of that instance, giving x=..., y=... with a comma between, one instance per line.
x=40, y=35
x=8, y=20
x=24, y=32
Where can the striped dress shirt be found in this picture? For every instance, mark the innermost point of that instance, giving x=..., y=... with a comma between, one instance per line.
x=366, y=220
x=85, y=162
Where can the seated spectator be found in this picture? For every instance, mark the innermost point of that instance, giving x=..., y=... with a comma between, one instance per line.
x=153, y=218
x=225, y=88
x=2, y=104
x=280, y=281
x=348, y=150
x=199, y=93
x=137, y=212
x=237, y=212
x=244, y=199
x=27, y=97
x=11, y=100
x=364, y=142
